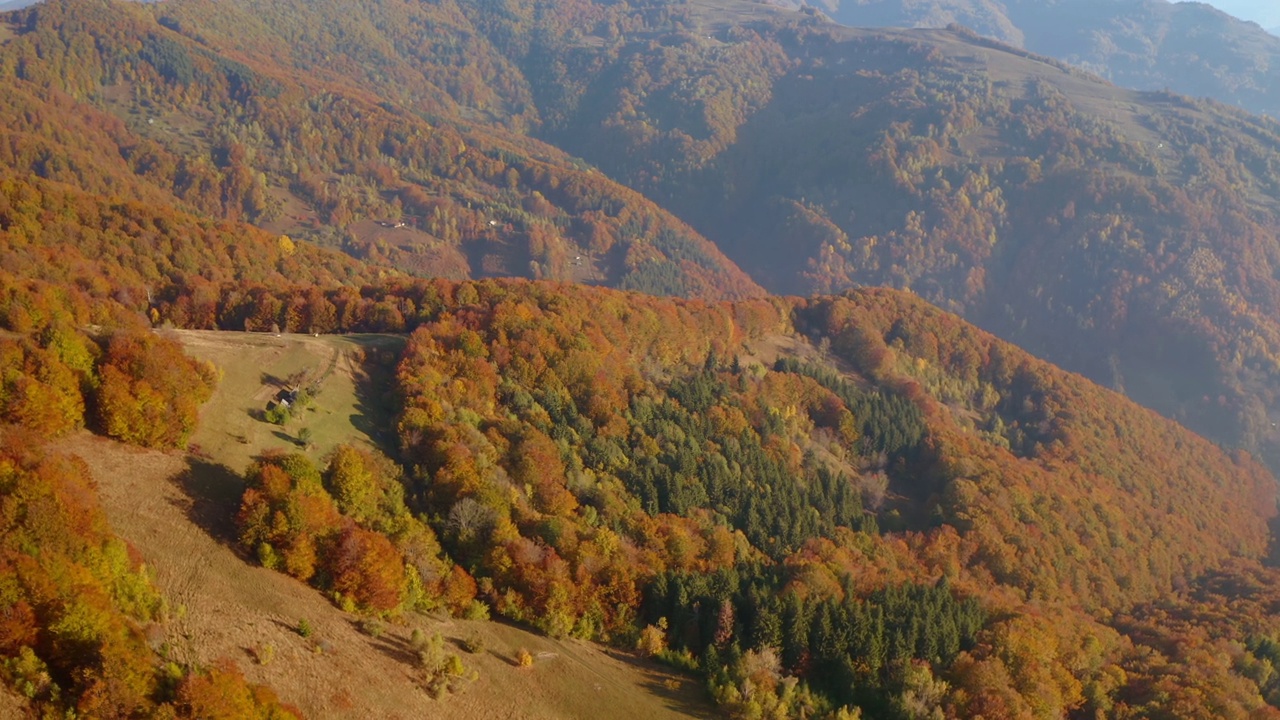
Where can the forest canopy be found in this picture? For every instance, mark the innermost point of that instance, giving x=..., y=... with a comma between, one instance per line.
x=851, y=503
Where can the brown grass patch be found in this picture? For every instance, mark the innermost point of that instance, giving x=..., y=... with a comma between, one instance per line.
x=13, y=705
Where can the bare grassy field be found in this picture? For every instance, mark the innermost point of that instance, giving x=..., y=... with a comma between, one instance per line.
x=719, y=14
x=350, y=407
x=176, y=514
x=295, y=217
x=414, y=249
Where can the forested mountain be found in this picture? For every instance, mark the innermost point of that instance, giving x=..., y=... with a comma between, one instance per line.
x=910, y=507
x=384, y=155
x=1189, y=47
x=1125, y=235
x=849, y=504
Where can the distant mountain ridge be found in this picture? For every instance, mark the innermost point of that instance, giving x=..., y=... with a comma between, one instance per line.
x=1191, y=48
x=451, y=186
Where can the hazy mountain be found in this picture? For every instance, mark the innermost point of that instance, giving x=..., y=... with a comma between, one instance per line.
x=1125, y=235
x=1191, y=48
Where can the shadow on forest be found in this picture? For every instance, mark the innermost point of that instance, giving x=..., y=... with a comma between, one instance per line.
x=1273, y=543
x=374, y=379
x=398, y=649
x=212, y=498
x=689, y=699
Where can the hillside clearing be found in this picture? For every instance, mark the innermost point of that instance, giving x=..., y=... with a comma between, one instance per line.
x=255, y=366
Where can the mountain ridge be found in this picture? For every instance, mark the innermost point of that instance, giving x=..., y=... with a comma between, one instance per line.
x=1191, y=48
x=712, y=150
x=453, y=177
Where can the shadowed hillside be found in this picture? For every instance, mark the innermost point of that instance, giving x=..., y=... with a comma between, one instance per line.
x=1125, y=235
x=1189, y=47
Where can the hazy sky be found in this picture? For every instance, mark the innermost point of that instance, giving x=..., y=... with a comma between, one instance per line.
x=1264, y=12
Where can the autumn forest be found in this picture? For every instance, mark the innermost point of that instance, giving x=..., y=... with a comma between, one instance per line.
x=846, y=373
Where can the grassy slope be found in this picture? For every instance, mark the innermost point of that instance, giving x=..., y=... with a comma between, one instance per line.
x=177, y=512
x=254, y=364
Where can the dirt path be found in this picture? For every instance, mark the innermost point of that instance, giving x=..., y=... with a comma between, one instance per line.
x=177, y=515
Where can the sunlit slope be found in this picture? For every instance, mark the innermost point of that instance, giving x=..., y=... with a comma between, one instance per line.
x=124, y=99
x=549, y=424
x=1127, y=236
